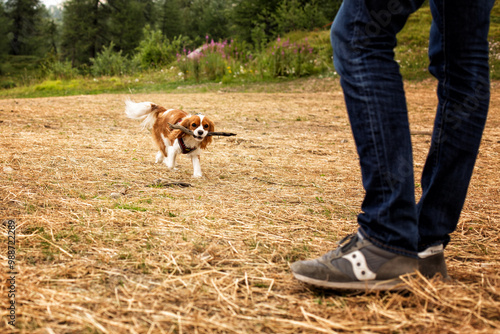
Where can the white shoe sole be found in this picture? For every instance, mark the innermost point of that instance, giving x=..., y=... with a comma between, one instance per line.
x=395, y=284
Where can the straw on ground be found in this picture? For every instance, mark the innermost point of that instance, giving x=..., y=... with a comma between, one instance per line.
x=213, y=256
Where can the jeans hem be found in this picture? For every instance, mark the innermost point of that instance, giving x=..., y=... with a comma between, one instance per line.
x=384, y=246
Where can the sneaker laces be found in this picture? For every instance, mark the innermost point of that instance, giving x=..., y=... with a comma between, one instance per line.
x=343, y=245
x=347, y=242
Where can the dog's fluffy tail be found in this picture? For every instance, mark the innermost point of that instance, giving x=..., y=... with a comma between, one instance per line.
x=145, y=111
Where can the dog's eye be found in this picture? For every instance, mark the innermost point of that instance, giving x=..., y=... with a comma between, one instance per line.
x=193, y=125
x=205, y=126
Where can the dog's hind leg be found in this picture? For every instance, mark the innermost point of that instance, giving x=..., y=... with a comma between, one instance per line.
x=162, y=149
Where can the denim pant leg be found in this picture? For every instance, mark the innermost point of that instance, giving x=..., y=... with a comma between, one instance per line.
x=458, y=51
x=363, y=39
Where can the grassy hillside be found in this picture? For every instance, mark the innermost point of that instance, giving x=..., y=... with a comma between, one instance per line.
x=494, y=38
x=414, y=38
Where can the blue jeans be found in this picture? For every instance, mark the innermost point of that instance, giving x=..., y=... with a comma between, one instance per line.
x=363, y=37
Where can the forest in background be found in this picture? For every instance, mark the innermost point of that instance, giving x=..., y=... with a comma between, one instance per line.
x=115, y=45
x=138, y=35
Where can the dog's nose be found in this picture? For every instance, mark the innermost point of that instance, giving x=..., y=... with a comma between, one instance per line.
x=200, y=132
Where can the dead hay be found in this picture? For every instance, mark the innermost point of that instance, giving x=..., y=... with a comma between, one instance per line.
x=214, y=257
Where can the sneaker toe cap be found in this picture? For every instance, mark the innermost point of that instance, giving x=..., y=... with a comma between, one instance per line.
x=317, y=270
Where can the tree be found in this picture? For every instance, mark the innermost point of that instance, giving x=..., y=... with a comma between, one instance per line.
x=27, y=18
x=126, y=20
x=329, y=8
x=83, y=30
x=294, y=15
x=249, y=15
x=207, y=17
x=4, y=26
x=51, y=32
x=170, y=19
x=259, y=20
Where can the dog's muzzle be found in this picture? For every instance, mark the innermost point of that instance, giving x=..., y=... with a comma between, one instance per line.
x=199, y=135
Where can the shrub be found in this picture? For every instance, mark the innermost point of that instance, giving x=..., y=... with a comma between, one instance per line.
x=60, y=70
x=291, y=15
x=112, y=63
x=156, y=51
x=152, y=51
x=7, y=84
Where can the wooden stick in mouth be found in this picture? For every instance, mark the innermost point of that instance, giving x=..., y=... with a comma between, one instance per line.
x=180, y=127
x=189, y=132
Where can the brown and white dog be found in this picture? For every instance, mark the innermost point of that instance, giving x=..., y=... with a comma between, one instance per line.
x=170, y=142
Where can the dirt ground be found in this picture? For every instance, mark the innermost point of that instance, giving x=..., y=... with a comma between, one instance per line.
x=102, y=248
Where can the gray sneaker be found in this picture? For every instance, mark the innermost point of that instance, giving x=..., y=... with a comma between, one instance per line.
x=356, y=264
x=431, y=262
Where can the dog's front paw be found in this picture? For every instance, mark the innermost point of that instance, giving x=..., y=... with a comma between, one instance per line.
x=159, y=157
x=197, y=175
x=172, y=168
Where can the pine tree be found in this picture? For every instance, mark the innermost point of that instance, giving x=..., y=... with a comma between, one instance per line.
x=293, y=15
x=251, y=14
x=52, y=33
x=170, y=21
x=26, y=28
x=210, y=17
x=4, y=26
x=126, y=20
x=83, y=30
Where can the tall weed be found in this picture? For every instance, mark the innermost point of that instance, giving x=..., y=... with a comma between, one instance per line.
x=211, y=61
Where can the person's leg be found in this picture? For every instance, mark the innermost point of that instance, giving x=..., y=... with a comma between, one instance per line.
x=458, y=51
x=363, y=39
x=385, y=247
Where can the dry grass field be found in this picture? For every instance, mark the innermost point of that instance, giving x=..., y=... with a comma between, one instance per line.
x=103, y=247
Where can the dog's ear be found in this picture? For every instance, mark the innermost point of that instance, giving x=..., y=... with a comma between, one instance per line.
x=179, y=133
x=205, y=142
x=208, y=139
x=211, y=126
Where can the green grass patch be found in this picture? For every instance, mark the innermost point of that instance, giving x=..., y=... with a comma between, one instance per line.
x=413, y=43
x=131, y=207
x=412, y=50
x=494, y=38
